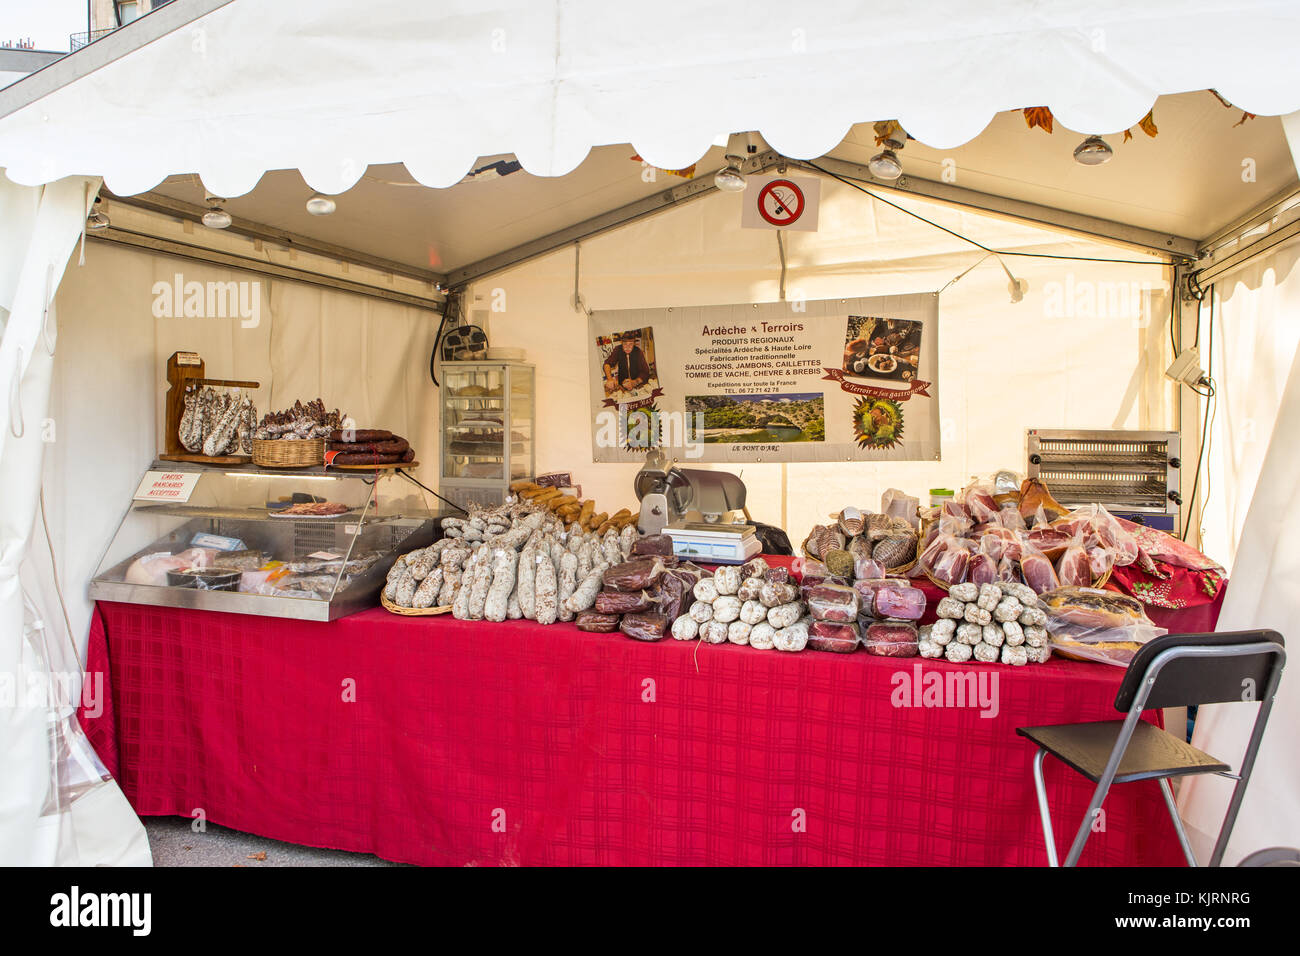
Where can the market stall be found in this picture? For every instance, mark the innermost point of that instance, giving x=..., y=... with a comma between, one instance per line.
x=942, y=313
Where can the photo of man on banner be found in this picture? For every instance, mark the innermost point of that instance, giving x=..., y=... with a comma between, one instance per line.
x=627, y=372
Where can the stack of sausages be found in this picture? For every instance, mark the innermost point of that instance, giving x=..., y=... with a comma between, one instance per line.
x=570, y=509
x=367, y=446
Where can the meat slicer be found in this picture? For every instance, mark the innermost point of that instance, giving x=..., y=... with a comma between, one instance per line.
x=668, y=494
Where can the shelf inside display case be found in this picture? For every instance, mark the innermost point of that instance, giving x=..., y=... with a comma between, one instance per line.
x=487, y=426
x=309, y=544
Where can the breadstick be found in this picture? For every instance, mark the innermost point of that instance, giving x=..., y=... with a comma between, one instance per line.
x=588, y=509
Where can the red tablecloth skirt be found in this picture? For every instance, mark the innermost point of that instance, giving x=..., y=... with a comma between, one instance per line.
x=435, y=741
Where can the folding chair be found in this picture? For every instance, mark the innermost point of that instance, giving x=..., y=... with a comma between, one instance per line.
x=1174, y=671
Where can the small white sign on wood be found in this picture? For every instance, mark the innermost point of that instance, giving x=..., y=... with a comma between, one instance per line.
x=167, y=486
x=781, y=202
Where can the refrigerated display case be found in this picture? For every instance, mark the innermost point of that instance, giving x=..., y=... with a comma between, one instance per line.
x=311, y=544
x=488, y=417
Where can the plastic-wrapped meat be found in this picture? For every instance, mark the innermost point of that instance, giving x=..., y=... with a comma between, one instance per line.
x=935, y=550
x=834, y=637
x=1009, y=571
x=648, y=626
x=1100, y=560
x=866, y=591
x=951, y=566
x=1073, y=567
x=596, y=622
x=669, y=594
x=1038, y=571
x=983, y=569
x=803, y=568
x=832, y=602
x=979, y=502
x=867, y=568
x=1049, y=540
x=635, y=574
x=652, y=544
x=813, y=580
x=623, y=602
x=891, y=639
x=900, y=601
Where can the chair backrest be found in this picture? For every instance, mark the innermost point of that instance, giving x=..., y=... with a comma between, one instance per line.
x=1224, y=675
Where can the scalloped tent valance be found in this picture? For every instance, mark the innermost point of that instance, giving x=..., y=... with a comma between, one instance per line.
x=329, y=88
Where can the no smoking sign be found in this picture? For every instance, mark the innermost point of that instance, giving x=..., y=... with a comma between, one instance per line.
x=781, y=202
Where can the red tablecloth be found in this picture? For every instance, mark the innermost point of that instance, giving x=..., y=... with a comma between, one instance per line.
x=431, y=740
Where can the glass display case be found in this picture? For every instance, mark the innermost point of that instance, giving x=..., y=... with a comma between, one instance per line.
x=310, y=544
x=488, y=418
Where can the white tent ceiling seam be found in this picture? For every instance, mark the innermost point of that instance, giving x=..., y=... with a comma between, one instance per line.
x=550, y=81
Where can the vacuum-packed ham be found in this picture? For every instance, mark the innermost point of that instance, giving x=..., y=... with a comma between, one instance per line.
x=647, y=626
x=635, y=574
x=891, y=639
x=623, y=602
x=835, y=637
x=596, y=622
x=1038, y=571
x=652, y=544
x=832, y=602
x=901, y=601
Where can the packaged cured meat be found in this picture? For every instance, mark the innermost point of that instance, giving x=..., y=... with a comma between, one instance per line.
x=1092, y=608
x=1073, y=567
x=867, y=569
x=610, y=601
x=670, y=595
x=596, y=622
x=899, y=601
x=951, y=565
x=866, y=591
x=652, y=544
x=978, y=499
x=1034, y=497
x=891, y=639
x=899, y=504
x=803, y=568
x=832, y=602
x=1038, y=571
x=812, y=582
x=838, y=638
x=644, y=626
x=982, y=569
x=635, y=574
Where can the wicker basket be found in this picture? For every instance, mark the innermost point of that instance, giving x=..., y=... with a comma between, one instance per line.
x=288, y=453
x=889, y=572
x=392, y=608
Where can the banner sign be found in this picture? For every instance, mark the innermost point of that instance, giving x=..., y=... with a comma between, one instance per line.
x=830, y=380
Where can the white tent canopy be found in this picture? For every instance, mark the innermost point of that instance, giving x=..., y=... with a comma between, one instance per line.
x=250, y=87
x=269, y=102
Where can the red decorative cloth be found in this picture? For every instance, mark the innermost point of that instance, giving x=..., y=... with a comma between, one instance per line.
x=435, y=741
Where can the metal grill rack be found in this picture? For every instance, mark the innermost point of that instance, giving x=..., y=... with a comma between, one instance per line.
x=1133, y=473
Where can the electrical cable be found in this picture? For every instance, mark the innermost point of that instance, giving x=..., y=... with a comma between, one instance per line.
x=409, y=477
x=996, y=252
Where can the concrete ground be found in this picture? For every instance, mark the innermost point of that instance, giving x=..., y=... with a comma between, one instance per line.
x=174, y=843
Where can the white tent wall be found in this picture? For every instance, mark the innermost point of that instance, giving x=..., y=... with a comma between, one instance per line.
x=1255, y=338
x=366, y=356
x=1085, y=349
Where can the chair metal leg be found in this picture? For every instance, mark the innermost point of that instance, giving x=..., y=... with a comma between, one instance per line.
x=1247, y=765
x=1043, y=811
x=1168, y=793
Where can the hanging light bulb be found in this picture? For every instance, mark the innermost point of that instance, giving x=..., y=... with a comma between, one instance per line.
x=885, y=165
x=1093, y=151
x=216, y=218
x=319, y=205
x=730, y=179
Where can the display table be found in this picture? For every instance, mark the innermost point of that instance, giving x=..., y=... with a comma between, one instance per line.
x=435, y=741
